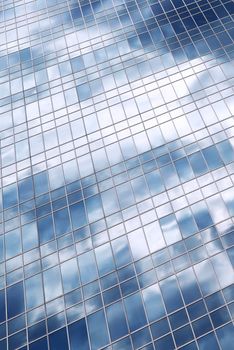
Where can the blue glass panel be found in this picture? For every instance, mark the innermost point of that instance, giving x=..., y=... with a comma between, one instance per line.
x=15, y=299
x=2, y=306
x=2, y=329
x=16, y=324
x=206, y=277
x=39, y=345
x=196, y=310
x=178, y=319
x=190, y=346
x=198, y=163
x=226, y=151
x=226, y=336
x=17, y=340
x=34, y=291
x=170, y=229
x=208, y=342
x=189, y=286
x=110, y=202
x=83, y=92
x=111, y=295
x=40, y=183
x=229, y=293
x=184, y=169
x=62, y=222
x=25, y=54
x=97, y=330
x=69, y=270
x=171, y=294
x=125, y=195
x=26, y=189
x=78, y=215
x=29, y=236
x=45, y=229
x=10, y=197
x=76, y=13
x=220, y=316
x=169, y=176
x=3, y=62
x=201, y=215
x=212, y=157
x=123, y=344
x=104, y=258
x=78, y=335
x=3, y=344
x=116, y=321
x=135, y=311
x=13, y=243
x=87, y=265
x=183, y=335
x=58, y=340
x=37, y=331
x=186, y=222
x=121, y=251
x=202, y=326
x=94, y=208
x=51, y=278
x=214, y=301
x=160, y=328
x=55, y=322
x=154, y=182
x=165, y=343
x=2, y=252
x=153, y=303
x=141, y=338
x=14, y=58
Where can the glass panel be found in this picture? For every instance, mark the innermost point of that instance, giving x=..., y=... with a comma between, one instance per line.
x=2, y=306
x=97, y=330
x=87, y=265
x=15, y=299
x=153, y=302
x=78, y=215
x=39, y=345
x=116, y=321
x=223, y=269
x=104, y=258
x=171, y=294
x=51, y=278
x=34, y=291
x=189, y=286
x=70, y=278
x=138, y=244
x=78, y=335
x=135, y=311
x=58, y=339
x=206, y=277
x=170, y=229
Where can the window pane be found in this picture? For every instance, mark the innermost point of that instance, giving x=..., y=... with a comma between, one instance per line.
x=153, y=302
x=87, y=265
x=15, y=300
x=58, y=340
x=70, y=277
x=97, y=330
x=78, y=335
x=135, y=311
x=34, y=291
x=116, y=321
x=52, y=278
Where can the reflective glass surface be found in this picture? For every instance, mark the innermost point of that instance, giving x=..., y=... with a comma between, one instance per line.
x=117, y=172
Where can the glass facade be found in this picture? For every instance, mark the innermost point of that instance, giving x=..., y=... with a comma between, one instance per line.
x=117, y=172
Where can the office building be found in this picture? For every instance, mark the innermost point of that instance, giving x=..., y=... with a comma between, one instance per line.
x=117, y=173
